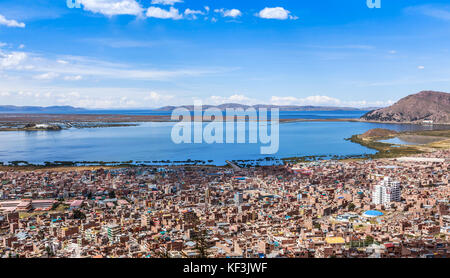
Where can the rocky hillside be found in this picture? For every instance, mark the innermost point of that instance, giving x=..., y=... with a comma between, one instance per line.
x=424, y=106
x=378, y=133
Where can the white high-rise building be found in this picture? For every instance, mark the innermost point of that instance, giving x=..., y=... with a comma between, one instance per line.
x=238, y=198
x=386, y=191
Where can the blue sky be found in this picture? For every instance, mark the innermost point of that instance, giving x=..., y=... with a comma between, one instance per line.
x=150, y=53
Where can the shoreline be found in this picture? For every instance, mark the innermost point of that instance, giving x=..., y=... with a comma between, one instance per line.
x=384, y=151
x=441, y=141
x=19, y=121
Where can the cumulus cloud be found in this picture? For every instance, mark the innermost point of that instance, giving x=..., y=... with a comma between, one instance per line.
x=10, y=22
x=229, y=13
x=276, y=13
x=156, y=12
x=76, y=99
x=12, y=60
x=193, y=13
x=156, y=98
x=82, y=97
x=112, y=7
x=189, y=11
x=166, y=2
x=421, y=67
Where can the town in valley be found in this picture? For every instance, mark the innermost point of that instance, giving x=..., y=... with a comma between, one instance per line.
x=378, y=208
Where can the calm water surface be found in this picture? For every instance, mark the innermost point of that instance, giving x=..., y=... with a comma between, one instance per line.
x=152, y=142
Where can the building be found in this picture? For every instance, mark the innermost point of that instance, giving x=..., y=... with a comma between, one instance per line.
x=386, y=191
x=113, y=231
x=238, y=198
x=207, y=196
x=146, y=220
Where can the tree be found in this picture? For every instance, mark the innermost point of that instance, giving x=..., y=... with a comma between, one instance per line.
x=77, y=214
x=369, y=240
x=112, y=195
x=55, y=205
x=351, y=206
x=49, y=252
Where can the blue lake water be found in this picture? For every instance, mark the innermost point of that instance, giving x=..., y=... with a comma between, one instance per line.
x=152, y=142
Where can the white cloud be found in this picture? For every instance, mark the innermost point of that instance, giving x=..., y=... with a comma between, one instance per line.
x=22, y=46
x=156, y=12
x=126, y=102
x=74, y=66
x=421, y=67
x=311, y=100
x=189, y=11
x=46, y=76
x=229, y=13
x=319, y=100
x=112, y=7
x=442, y=13
x=12, y=60
x=117, y=99
x=166, y=2
x=11, y=22
x=73, y=78
x=193, y=13
x=25, y=94
x=157, y=98
x=236, y=98
x=276, y=13
x=74, y=94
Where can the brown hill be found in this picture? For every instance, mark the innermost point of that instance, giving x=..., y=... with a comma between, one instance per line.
x=424, y=106
x=379, y=132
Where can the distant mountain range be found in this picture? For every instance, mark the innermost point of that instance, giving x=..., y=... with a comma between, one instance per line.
x=71, y=109
x=423, y=106
x=39, y=109
x=268, y=106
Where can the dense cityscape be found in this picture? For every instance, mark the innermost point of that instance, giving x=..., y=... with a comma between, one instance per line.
x=379, y=208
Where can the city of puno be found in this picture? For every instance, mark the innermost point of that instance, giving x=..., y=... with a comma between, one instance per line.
x=224, y=137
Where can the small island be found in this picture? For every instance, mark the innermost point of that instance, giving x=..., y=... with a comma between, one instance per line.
x=33, y=127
